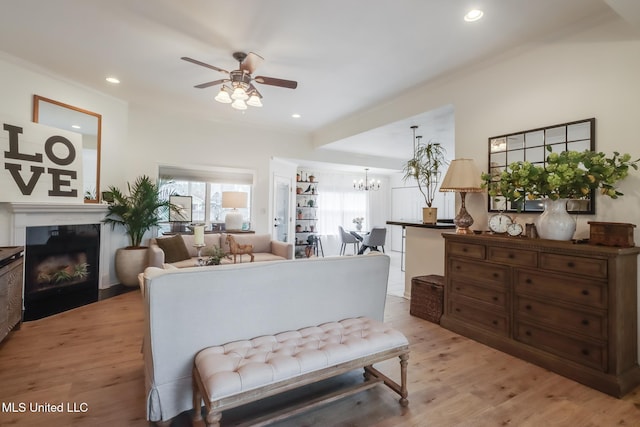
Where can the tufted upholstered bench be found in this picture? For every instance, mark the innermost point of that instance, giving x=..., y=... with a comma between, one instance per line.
x=240, y=372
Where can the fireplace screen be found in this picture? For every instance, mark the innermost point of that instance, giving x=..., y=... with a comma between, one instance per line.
x=61, y=268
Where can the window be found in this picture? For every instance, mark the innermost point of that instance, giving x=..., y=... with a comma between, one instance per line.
x=205, y=188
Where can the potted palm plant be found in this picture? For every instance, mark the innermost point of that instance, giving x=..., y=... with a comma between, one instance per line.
x=426, y=169
x=137, y=211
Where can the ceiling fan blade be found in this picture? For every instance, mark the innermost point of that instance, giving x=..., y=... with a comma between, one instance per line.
x=276, y=82
x=195, y=61
x=209, y=84
x=251, y=62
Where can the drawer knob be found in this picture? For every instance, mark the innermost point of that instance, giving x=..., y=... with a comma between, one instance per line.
x=495, y=322
x=495, y=298
x=465, y=250
x=458, y=310
x=511, y=256
x=528, y=307
x=585, y=292
x=527, y=333
x=528, y=281
x=585, y=351
x=585, y=322
x=457, y=288
x=496, y=275
x=571, y=264
x=458, y=267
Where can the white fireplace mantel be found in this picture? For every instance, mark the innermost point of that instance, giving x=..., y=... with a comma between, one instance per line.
x=47, y=214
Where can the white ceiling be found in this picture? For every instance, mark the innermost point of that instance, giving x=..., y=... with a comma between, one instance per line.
x=346, y=55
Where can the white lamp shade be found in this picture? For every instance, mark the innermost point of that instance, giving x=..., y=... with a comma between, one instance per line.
x=239, y=104
x=463, y=175
x=254, y=101
x=223, y=96
x=234, y=199
x=239, y=93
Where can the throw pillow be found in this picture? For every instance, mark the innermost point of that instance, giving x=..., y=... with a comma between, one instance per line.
x=174, y=248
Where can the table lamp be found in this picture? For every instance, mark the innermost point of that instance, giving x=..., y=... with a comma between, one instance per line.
x=233, y=200
x=463, y=177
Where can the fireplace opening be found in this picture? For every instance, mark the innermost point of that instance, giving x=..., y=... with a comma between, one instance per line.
x=61, y=268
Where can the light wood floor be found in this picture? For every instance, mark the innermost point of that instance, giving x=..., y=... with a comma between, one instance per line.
x=91, y=356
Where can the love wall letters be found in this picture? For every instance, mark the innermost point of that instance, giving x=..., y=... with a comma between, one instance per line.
x=40, y=164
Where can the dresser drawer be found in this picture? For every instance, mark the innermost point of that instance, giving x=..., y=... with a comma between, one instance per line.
x=583, y=352
x=466, y=250
x=591, y=267
x=548, y=286
x=487, y=294
x=478, y=314
x=479, y=272
x=509, y=256
x=566, y=319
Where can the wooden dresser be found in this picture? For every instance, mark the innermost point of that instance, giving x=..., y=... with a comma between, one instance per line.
x=10, y=289
x=570, y=308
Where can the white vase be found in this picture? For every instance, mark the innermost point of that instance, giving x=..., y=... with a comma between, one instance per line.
x=555, y=223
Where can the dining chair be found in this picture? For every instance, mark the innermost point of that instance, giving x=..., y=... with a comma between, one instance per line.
x=346, y=239
x=375, y=238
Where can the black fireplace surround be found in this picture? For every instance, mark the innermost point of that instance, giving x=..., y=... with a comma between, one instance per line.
x=61, y=268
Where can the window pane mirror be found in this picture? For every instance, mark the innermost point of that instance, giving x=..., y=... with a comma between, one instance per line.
x=531, y=146
x=88, y=124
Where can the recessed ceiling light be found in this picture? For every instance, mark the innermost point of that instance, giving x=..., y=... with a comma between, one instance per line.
x=75, y=126
x=296, y=116
x=473, y=15
x=113, y=80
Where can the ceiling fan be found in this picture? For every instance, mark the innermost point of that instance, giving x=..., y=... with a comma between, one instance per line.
x=242, y=91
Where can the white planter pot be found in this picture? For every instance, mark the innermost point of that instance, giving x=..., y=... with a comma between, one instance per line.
x=555, y=223
x=129, y=263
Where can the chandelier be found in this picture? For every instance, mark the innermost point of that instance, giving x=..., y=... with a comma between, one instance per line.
x=241, y=93
x=366, y=185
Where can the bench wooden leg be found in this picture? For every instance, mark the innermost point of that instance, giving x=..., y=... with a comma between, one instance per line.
x=213, y=419
x=403, y=380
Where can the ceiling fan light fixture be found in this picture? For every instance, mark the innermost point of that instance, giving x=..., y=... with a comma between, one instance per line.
x=239, y=104
x=254, y=100
x=223, y=96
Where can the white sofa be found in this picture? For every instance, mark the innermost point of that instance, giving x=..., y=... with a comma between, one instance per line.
x=264, y=249
x=189, y=309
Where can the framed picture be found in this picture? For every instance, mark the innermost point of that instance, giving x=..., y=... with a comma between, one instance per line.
x=184, y=204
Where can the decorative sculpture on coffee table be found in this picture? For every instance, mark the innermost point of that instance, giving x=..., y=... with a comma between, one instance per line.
x=238, y=249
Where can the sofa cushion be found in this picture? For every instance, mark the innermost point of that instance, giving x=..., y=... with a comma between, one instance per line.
x=174, y=248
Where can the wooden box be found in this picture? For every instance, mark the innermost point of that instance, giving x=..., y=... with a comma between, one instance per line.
x=427, y=297
x=618, y=234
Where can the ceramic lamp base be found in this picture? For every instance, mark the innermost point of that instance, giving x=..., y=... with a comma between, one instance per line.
x=233, y=220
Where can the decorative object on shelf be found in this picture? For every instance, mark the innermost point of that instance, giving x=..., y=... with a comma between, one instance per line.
x=499, y=223
x=358, y=222
x=617, y=234
x=426, y=169
x=298, y=177
x=463, y=177
x=241, y=92
x=299, y=213
x=298, y=228
x=234, y=200
x=310, y=203
x=137, y=212
x=515, y=229
x=298, y=190
x=312, y=178
x=555, y=223
x=366, y=185
x=568, y=175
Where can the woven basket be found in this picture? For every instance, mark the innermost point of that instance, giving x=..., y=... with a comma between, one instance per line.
x=427, y=297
